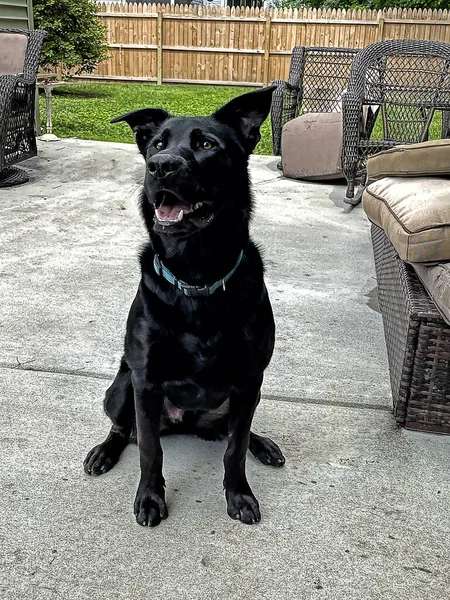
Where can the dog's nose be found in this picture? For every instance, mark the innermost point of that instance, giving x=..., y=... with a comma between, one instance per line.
x=163, y=165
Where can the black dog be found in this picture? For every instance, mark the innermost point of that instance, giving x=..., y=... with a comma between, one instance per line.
x=195, y=352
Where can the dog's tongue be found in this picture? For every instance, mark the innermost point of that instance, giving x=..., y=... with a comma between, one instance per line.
x=173, y=212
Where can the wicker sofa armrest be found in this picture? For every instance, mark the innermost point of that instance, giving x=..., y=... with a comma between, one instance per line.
x=33, y=55
x=17, y=127
x=284, y=108
x=7, y=86
x=276, y=112
x=25, y=78
x=445, y=131
x=352, y=112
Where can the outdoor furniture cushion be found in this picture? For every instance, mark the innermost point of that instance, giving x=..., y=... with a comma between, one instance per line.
x=13, y=47
x=311, y=146
x=436, y=280
x=415, y=214
x=411, y=160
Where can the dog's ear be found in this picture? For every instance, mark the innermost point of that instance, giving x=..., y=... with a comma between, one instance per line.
x=246, y=114
x=144, y=123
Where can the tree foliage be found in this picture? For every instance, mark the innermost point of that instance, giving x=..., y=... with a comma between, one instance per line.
x=75, y=36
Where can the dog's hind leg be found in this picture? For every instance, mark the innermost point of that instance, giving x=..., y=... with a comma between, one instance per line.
x=119, y=406
x=265, y=450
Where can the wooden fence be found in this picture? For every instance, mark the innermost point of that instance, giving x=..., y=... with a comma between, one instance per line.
x=248, y=46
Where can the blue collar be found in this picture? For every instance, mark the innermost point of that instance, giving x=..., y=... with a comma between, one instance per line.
x=193, y=290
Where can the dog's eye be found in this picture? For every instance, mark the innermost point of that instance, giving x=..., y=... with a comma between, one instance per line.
x=206, y=145
x=159, y=145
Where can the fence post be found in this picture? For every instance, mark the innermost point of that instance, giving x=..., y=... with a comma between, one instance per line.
x=380, y=29
x=159, y=50
x=267, y=31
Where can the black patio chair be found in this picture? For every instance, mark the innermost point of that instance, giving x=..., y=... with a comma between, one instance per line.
x=317, y=79
x=20, y=52
x=402, y=82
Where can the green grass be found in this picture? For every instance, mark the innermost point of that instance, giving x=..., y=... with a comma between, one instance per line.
x=84, y=110
x=434, y=132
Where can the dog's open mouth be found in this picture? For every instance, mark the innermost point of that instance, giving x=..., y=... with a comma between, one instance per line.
x=170, y=209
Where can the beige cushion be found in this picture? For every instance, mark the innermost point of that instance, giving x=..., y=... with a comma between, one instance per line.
x=415, y=215
x=311, y=146
x=13, y=47
x=426, y=158
x=436, y=281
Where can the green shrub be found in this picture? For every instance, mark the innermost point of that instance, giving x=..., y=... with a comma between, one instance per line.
x=75, y=36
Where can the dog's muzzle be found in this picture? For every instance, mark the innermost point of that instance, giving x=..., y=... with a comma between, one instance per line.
x=163, y=166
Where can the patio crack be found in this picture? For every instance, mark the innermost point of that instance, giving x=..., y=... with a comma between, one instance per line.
x=56, y=371
x=272, y=397
x=264, y=181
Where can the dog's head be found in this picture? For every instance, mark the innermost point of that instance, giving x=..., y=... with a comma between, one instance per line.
x=196, y=166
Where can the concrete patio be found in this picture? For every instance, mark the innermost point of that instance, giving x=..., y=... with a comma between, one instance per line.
x=359, y=512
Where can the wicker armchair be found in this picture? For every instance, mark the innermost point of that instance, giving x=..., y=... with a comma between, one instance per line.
x=403, y=81
x=19, y=61
x=317, y=79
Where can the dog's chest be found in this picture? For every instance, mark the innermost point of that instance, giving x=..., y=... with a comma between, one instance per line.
x=196, y=373
x=187, y=354
x=210, y=347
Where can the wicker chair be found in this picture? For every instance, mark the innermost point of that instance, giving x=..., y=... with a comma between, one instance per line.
x=317, y=79
x=18, y=70
x=406, y=82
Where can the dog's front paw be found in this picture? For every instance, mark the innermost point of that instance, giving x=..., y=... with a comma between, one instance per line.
x=244, y=507
x=100, y=459
x=266, y=451
x=150, y=507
